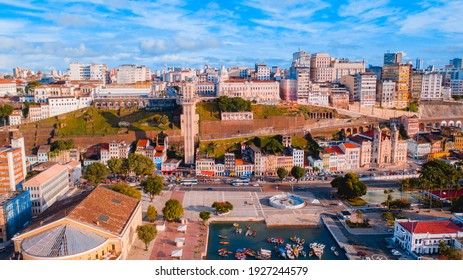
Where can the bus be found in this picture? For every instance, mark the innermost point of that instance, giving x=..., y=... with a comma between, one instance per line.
x=189, y=182
x=240, y=182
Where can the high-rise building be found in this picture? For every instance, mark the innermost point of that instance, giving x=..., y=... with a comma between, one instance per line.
x=301, y=59
x=130, y=74
x=386, y=94
x=320, y=67
x=417, y=79
x=362, y=88
x=343, y=67
x=392, y=58
x=12, y=170
x=262, y=72
x=456, y=63
x=431, y=87
x=79, y=71
x=189, y=121
x=419, y=64
x=15, y=214
x=401, y=74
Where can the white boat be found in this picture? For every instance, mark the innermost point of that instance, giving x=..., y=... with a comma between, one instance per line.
x=336, y=253
x=333, y=248
x=290, y=254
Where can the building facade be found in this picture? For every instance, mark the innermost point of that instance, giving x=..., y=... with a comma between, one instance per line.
x=15, y=214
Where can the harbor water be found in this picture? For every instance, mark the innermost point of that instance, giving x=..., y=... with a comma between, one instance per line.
x=238, y=241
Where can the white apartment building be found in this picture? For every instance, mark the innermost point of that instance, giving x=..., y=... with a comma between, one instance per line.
x=7, y=87
x=262, y=72
x=205, y=88
x=298, y=157
x=47, y=187
x=130, y=74
x=345, y=67
x=79, y=71
x=418, y=147
x=43, y=92
x=205, y=166
x=352, y=155
x=362, y=88
x=38, y=112
x=386, y=93
x=318, y=94
x=320, y=67
x=267, y=92
x=15, y=117
x=114, y=150
x=42, y=153
x=62, y=105
x=431, y=87
x=424, y=237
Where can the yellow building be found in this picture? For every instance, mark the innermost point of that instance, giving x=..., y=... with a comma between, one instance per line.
x=94, y=225
x=401, y=74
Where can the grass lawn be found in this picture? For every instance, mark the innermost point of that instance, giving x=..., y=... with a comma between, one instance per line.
x=299, y=142
x=356, y=202
x=106, y=122
x=221, y=146
x=208, y=111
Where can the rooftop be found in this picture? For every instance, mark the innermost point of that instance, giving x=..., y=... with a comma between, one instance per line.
x=46, y=175
x=432, y=227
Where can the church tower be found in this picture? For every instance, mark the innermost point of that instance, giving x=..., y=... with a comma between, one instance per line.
x=394, y=143
x=376, y=148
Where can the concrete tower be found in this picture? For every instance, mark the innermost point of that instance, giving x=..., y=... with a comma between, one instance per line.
x=189, y=121
x=394, y=143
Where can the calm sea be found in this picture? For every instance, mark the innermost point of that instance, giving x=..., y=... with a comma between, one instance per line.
x=310, y=234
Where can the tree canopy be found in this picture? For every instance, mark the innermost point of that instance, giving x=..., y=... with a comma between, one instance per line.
x=273, y=146
x=152, y=186
x=437, y=174
x=449, y=253
x=127, y=190
x=96, y=172
x=222, y=207
x=457, y=206
x=151, y=213
x=282, y=173
x=141, y=165
x=235, y=104
x=297, y=172
x=31, y=86
x=349, y=186
x=5, y=111
x=61, y=145
x=205, y=215
x=118, y=165
x=172, y=210
x=146, y=233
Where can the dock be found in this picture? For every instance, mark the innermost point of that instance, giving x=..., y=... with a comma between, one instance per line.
x=341, y=239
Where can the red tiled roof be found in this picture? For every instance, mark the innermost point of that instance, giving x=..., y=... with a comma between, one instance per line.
x=350, y=146
x=143, y=143
x=239, y=161
x=432, y=227
x=448, y=193
x=337, y=150
x=329, y=150
x=105, y=146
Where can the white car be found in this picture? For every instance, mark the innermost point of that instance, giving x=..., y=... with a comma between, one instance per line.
x=255, y=185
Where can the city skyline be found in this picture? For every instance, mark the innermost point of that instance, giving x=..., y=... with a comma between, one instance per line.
x=51, y=34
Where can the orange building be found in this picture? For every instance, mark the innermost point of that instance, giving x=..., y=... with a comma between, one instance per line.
x=12, y=171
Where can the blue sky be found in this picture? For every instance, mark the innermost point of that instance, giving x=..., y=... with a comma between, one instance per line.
x=49, y=34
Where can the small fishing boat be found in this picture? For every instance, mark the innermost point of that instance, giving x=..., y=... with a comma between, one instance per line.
x=336, y=253
x=223, y=236
x=274, y=240
x=264, y=254
x=333, y=248
x=290, y=254
x=310, y=253
x=254, y=233
x=236, y=225
x=248, y=232
x=281, y=253
x=304, y=254
x=238, y=231
x=248, y=227
x=224, y=242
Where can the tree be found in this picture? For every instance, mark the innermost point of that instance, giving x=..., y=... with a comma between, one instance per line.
x=151, y=213
x=448, y=253
x=115, y=165
x=152, y=186
x=457, y=206
x=31, y=86
x=96, y=172
x=297, y=172
x=141, y=165
x=146, y=233
x=388, y=199
x=273, y=146
x=222, y=207
x=205, y=216
x=403, y=133
x=5, y=111
x=127, y=190
x=282, y=173
x=210, y=148
x=349, y=186
x=172, y=210
x=436, y=174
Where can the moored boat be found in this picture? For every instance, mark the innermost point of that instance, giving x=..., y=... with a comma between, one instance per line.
x=336, y=253
x=236, y=225
x=254, y=233
x=224, y=242
x=223, y=236
x=248, y=232
x=333, y=248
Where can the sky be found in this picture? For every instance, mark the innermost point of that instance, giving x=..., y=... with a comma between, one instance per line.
x=49, y=34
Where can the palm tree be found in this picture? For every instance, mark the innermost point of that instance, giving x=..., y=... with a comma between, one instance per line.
x=359, y=216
